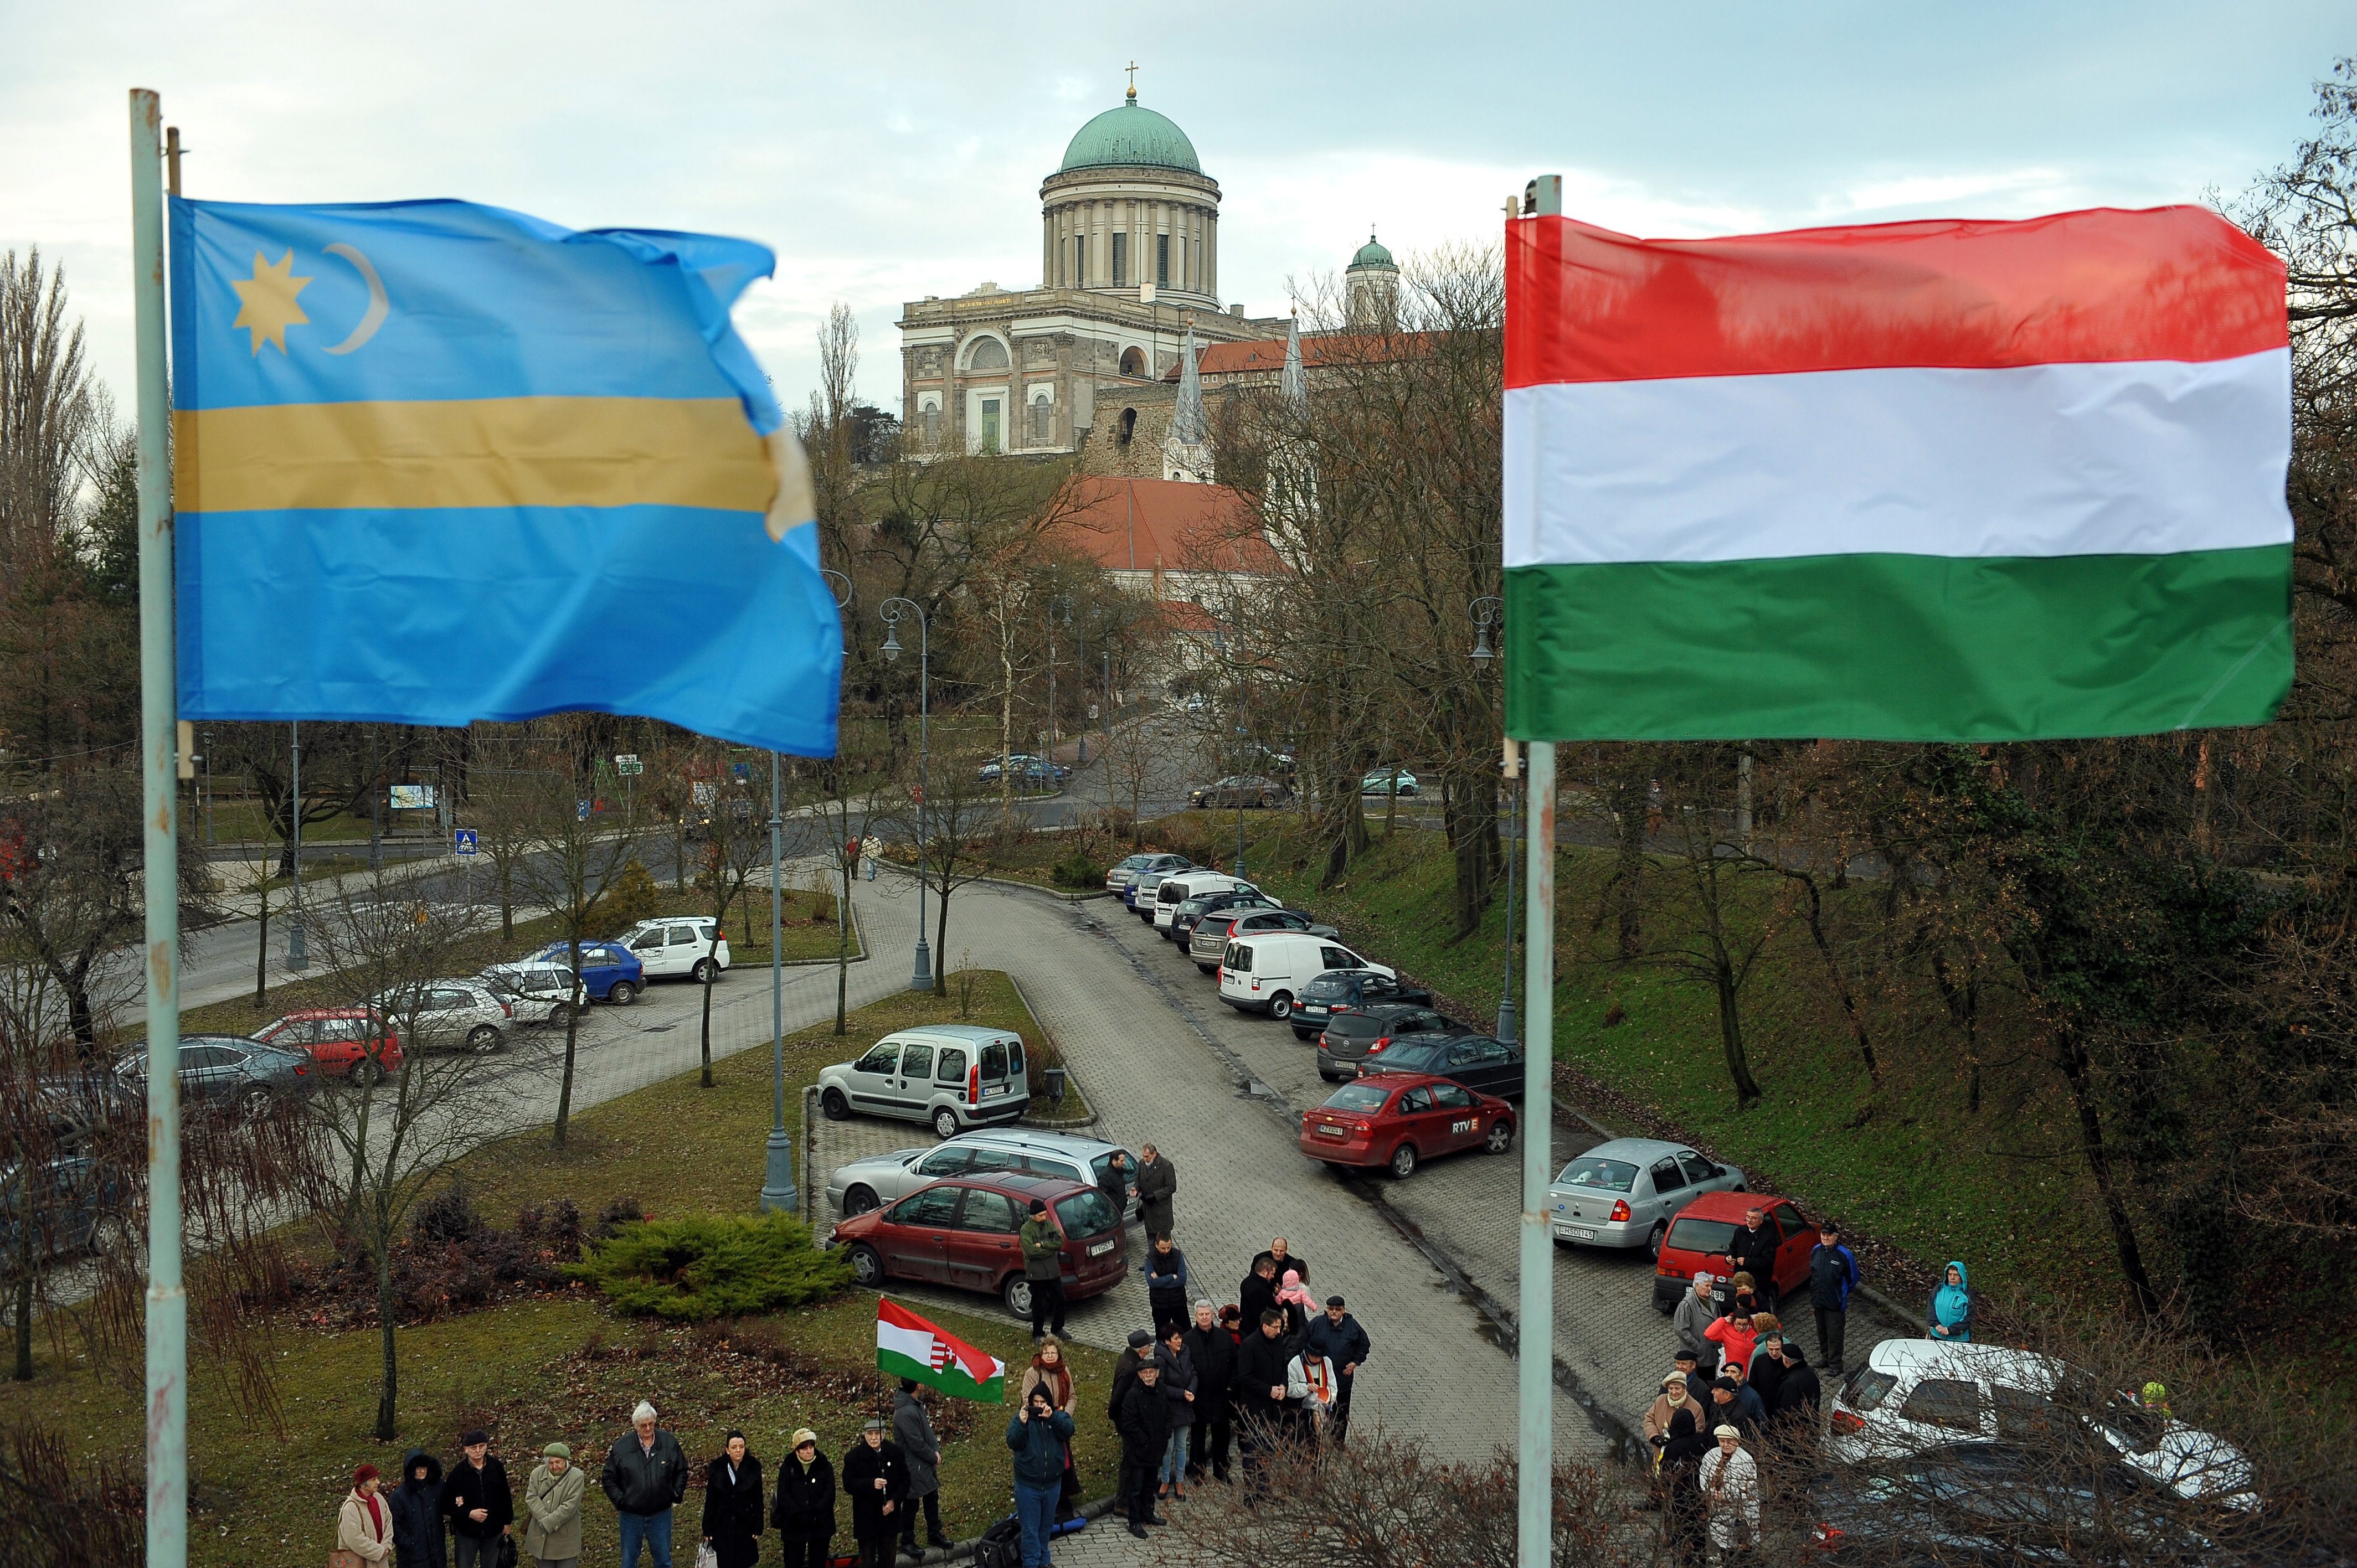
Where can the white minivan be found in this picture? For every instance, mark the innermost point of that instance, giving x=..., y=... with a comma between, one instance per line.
x=1264, y=973
x=680, y=948
x=1181, y=885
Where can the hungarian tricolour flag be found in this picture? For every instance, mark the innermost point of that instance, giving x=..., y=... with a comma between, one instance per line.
x=908, y=1347
x=1919, y=481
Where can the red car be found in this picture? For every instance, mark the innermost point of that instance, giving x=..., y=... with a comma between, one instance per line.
x=352, y=1040
x=962, y=1232
x=1398, y=1119
x=1699, y=1238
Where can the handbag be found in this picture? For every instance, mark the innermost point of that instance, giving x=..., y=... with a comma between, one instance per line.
x=342, y=1557
x=507, y=1557
x=705, y=1557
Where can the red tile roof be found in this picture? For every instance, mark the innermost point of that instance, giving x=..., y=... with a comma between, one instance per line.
x=1145, y=525
x=1267, y=355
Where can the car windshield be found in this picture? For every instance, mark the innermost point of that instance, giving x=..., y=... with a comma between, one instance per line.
x=1362, y=1097
x=1086, y=1214
x=1692, y=1235
x=1607, y=1175
x=1326, y=986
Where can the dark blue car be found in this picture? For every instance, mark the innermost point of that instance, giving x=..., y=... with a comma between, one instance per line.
x=609, y=972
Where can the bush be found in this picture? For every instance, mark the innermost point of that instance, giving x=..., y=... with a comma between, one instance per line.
x=632, y=896
x=712, y=1265
x=1077, y=870
x=623, y=1211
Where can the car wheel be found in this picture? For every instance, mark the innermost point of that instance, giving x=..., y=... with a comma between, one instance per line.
x=858, y=1200
x=1017, y=1296
x=836, y=1107
x=1500, y=1136
x=483, y=1038
x=1280, y=1006
x=705, y=972
x=1208, y=968
x=867, y=1266
x=1653, y=1242
x=254, y=1102
x=623, y=993
x=366, y=1075
x=1305, y=1033
x=945, y=1123
x=1403, y=1162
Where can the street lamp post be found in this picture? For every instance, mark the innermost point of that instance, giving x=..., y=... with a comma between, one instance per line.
x=1486, y=612
x=895, y=611
x=777, y=1188
x=297, y=956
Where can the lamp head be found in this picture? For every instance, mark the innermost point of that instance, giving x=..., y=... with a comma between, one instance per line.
x=892, y=642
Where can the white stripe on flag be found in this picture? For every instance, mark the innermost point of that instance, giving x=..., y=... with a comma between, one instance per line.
x=2136, y=458
x=914, y=1343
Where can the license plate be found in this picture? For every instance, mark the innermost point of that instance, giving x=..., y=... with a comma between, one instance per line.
x=1314, y=1012
x=1101, y=1249
x=1574, y=1233
x=1328, y=1130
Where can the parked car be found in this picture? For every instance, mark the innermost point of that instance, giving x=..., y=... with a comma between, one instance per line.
x=1267, y=971
x=1031, y=771
x=1624, y=1193
x=962, y=1232
x=951, y=1076
x=1118, y=880
x=1914, y=1395
x=59, y=1201
x=1699, y=1236
x=1481, y=1064
x=1213, y=933
x=1342, y=990
x=1390, y=781
x=1396, y=1120
x=1180, y=885
x=1146, y=885
x=1195, y=910
x=540, y=991
x=1239, y=790
x=1349, y=1034
x=227, y=1073
x=863, y=1184
x=609, y=972
x=679, y=948
x=349, y=1041
x=446, y=1015
x=2000, y=1503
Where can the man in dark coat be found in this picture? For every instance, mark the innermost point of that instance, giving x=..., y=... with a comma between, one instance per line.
x=1145, y=1423
x=1125, y=1372
x=1766, y=1369
x=1281, y=1257
x=1336, y=1334
x=477, y=1502
x=912, y=1429
x=804, y=1510
x=1257, y=1294
x=732, y=1504
x=1260, y=1398
x=1157, y=1188
x=1213, y=1351
x=876, y=1479
x=419, y=1540
x=1753, y=1252
x=644, y=1479
x=1798, y=1394
x=1114, y=1182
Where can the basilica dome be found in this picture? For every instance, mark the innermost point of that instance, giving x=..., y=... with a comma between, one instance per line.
x=1130, y=136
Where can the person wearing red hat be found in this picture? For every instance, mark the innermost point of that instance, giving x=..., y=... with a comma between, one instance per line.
x=363, y=1525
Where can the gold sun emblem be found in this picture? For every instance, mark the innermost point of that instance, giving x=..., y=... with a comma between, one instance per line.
x=267, y=302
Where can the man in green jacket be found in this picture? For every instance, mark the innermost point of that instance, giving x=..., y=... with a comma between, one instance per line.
x=1043, y=1266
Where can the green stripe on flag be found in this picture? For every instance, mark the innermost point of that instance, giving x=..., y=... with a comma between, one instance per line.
x=1898, y=647
x=952, y=1380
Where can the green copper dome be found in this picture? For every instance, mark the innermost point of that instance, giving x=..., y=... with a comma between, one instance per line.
x=1371, y=255
x=1130, y=135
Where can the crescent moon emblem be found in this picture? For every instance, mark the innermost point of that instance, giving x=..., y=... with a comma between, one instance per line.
x=379, y=305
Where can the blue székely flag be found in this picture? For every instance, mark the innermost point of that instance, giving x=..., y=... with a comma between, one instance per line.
x=436, y=462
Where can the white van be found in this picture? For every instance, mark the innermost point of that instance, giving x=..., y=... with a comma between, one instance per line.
x=1264, y=973
x=951, y=1076
x=1181, y=885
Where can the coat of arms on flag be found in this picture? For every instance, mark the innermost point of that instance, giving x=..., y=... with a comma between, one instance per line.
x=908, y=1347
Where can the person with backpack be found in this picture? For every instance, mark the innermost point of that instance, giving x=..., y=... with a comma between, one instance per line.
x=1038, y=1436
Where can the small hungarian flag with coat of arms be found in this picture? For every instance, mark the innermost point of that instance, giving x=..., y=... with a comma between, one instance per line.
x=908, y=1347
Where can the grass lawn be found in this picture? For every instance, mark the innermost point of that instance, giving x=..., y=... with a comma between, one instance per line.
x=562, y=1367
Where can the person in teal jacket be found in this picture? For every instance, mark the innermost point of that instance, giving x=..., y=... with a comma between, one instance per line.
x=1951, y=1317
x=1037, y=1435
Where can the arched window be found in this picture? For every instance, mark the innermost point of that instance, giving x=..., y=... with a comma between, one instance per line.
x=1128, y=421
x=989, y=354
x=1038, y=422
x=1132, y=362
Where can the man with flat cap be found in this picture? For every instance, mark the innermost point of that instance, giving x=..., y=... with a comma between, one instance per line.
x=1336, y=1334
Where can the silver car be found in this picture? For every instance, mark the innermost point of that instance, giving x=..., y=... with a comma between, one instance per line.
x=1624, y=1193
x=863, y=1184
x=446, y=1015
x=538, y=993
x=1213, y=931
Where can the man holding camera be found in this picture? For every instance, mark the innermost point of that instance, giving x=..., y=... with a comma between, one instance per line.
x=1037, y=1435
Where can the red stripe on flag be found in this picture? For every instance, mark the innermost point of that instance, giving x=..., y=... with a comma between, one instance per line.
x=1584, y=304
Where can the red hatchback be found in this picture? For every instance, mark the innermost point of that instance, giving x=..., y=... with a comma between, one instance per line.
x=1704, y=1228
x=1400, y=1118
x=963, y=1233
x=350, y=1040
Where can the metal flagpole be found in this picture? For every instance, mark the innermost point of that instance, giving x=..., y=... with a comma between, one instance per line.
x=168, y=1301
x=1535, y=1328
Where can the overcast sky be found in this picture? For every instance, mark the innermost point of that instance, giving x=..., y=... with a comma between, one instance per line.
x=888, y=151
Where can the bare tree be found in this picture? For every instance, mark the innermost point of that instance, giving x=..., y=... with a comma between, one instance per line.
x=960, y=823
x=735, y=844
